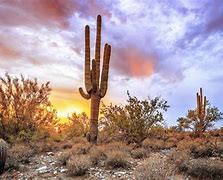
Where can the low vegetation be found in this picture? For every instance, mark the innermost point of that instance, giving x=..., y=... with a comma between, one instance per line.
x=132, y=137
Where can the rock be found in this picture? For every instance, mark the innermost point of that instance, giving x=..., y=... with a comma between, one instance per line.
x=120, y=173
x=50, y=153
x=63, y=170
x=43, y=169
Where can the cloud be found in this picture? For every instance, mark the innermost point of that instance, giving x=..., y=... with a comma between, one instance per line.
x=130, y=62
x=34, y=12
x=158, y=47
x=208, y=19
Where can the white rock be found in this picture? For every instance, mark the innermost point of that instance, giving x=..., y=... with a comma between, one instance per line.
x=42, y=169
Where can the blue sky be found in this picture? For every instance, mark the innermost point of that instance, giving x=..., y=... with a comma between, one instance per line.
x=168, y=48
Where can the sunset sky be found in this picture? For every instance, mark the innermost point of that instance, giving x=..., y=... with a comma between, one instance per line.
x=168, y=48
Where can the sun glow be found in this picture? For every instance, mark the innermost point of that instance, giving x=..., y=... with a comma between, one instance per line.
x=64, y=113
x=67, y=102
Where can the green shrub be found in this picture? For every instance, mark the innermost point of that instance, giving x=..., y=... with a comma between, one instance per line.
x=134, y=119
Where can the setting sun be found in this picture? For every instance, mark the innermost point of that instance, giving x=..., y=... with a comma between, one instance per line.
x=67, y=102
x=63, y=113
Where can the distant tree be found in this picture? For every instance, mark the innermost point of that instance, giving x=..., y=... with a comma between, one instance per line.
x=193, y=122
x=24, y=106
x=78, y=125
x=134, y=119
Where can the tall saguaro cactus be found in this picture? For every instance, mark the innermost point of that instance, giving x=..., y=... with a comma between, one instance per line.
x=201, y=110
x=95, y=82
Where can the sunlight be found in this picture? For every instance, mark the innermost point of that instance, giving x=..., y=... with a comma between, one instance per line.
x=64, y=113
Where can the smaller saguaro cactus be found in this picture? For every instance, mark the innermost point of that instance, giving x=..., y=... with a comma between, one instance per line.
x=96, y=82
x=3, y=155
x=201, y=110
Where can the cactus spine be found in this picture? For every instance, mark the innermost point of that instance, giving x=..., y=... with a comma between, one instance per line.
x=201, y=111
x=96, y=88
x=3, y=155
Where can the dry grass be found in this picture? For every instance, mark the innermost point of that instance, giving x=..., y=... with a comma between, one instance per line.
x=64, y=157
x=97, y=155
x=18, y=153
x=117, y=159
x=177, y=157
x=118, y=146
x=77, y=140
x=153, y=144
x=81, y=148
x=203, y=168
x=139, y=153
x=78, y=165
x=155, y=167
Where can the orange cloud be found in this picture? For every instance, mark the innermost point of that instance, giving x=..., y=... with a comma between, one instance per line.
x=34, y=12
x=131, y=62
x=8, y=53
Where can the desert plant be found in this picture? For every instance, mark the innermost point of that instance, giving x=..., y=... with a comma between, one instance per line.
x=97, y=154
x=95, y=89
x=135, y=119
x=24, y=107
x=203, y=168
x=64, y=157
x=202, y=118
x=3, y=155
x=155, y=167
x=139, y=153
x=78, y=125
x=117, y=159
x=78, y=165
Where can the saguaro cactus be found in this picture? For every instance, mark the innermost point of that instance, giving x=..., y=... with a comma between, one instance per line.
x=95, y=85
x=3, y=154
x=201, y=111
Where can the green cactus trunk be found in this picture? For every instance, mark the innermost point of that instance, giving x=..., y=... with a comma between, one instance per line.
x=96, y=88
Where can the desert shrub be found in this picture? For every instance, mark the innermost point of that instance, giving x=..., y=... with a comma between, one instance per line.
x=24, y=108
x=81, y=148
x=77, y=126
x=155, y=167
x=63, y=157
x=139, y=153
x=177, y=157
x=205, y=150
x=76, y=140
x=18, y=153
x=187, y=144
x=97, y=154
x=117, y=159
x=203, y=168
x=78, y=165
x=134, y=119
x=118, y=146
x=66, y=145
x=153, y=144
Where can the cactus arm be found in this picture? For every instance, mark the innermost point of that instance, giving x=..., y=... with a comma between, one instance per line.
x=87, y=60
x=105, y=70
x=97, y=49
x=94, y=82
x=83, y=94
